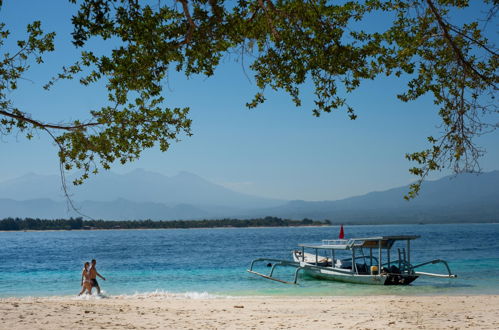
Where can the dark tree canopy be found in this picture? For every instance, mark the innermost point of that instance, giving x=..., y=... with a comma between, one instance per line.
x=78, y=223
x=287, y=43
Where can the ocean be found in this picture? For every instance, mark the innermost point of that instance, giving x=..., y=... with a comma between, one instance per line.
x=213, y=262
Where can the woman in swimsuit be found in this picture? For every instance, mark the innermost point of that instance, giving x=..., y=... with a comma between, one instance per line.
x=86, y=282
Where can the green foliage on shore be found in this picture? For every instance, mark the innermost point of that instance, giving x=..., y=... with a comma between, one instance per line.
x=12, y=224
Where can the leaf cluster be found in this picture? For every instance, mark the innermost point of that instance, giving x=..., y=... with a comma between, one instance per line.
x=12, y=67
x=289, y=43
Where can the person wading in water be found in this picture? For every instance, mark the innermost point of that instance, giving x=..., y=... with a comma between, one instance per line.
x=93, y=276
x=86, y=282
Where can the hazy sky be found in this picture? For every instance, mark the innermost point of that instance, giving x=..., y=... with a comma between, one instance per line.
x=276, y=150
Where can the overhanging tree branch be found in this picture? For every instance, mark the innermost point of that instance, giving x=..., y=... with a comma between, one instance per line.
x=192, y=24
x=18, y=116
x=464, y=35
x=455, y=48
x=297, y=42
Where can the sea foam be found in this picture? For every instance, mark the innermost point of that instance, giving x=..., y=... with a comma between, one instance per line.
x=161, y=294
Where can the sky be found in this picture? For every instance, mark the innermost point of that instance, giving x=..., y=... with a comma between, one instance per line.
x=276, y=150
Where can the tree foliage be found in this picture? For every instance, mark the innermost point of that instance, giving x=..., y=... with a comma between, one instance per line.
x=9, y=224
x=287, y=43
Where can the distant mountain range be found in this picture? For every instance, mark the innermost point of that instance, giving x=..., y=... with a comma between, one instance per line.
x=138, y=186
x=462, y=198
x=147, y=195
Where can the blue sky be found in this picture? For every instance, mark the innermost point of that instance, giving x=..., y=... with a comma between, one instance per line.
x=275, y=150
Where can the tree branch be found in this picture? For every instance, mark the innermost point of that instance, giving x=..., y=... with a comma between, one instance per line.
x=269, y=18
x=453, y=45
x=192, y=24
x=63, y=177
x=45, y=126
x=216, y=9
x=472, y=40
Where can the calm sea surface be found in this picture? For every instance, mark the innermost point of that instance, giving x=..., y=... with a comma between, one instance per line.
x=205, y=262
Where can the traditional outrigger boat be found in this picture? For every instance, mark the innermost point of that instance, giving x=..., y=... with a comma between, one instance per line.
x=364, y=263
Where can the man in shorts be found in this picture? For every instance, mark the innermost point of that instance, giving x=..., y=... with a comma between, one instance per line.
x=93, y=276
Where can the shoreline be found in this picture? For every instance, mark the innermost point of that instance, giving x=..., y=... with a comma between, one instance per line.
x=197, y=295
x=120, y=229
x=252, y=227
x=161, y=294
x=284, y=312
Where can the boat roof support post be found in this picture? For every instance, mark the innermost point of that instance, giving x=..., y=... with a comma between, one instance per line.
x=379, y=257
x=363, y=255
x=354, y=263
x=409, y=251
x=388, y=257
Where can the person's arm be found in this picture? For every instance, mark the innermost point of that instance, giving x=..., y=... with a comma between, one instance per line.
x=82, y=276
x=97, y=273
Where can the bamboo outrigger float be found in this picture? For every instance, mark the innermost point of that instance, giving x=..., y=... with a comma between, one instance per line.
x=365, y=263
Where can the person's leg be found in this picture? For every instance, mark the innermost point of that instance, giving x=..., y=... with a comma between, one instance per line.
x=95, y=284
x=86, y=287
x=89, y=288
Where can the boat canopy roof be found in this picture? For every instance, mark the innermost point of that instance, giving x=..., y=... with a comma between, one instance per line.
x=367, y=242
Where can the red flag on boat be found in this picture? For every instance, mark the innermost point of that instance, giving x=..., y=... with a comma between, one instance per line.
x=342, y=233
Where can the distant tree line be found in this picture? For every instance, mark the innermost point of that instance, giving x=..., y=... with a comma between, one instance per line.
x=79, y=223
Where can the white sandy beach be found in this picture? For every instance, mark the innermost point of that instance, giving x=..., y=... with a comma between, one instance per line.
x=373, y=312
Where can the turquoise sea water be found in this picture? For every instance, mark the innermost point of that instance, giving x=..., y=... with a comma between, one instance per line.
x=205, y=262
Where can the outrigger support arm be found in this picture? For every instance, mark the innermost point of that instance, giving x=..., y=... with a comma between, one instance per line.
x=277, y=262
x=436, y=261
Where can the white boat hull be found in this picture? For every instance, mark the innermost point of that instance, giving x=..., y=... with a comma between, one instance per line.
x=323, y=270
x=341, y=275
x=333, y=275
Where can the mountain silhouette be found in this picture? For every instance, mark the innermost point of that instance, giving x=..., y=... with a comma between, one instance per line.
x=147, y=195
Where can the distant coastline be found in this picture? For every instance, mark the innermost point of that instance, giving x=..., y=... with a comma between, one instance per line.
x=30, y=224
x=34, y=225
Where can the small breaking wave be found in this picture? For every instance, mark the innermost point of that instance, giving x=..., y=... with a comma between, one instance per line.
x=161, y=294
x=93, y=296
x=157, y=294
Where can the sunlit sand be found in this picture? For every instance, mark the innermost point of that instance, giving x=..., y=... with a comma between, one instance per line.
x=177, y=312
